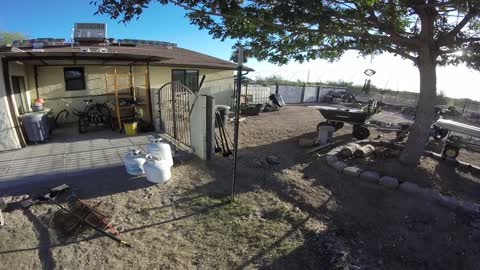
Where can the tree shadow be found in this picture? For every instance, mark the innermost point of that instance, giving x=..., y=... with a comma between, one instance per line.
x=44, y=248
x=456, y=181
x=368, y=222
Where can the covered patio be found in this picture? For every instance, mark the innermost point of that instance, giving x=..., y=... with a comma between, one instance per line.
x=67, y=155
x=27, y=65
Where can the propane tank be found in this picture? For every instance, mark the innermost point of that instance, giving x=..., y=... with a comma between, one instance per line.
x=134, y=161
x=157, y=171
x=160, y=149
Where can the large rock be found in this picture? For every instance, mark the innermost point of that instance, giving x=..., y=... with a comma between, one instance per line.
x=352, y=171
x=470, y=208
x=448, y=201
x=370, y=176
x=339, y=166
x=331, y=160
x=409, y=187
x=429, y=194
x=389, y=182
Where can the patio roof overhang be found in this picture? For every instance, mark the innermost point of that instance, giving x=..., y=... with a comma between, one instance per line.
x=48, y=58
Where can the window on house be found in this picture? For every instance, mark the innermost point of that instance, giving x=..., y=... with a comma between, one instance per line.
x=189, y=78
x=74, y=78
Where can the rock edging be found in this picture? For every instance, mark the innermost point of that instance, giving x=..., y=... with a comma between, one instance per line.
x=393, y=183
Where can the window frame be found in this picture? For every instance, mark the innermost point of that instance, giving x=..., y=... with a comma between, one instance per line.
x=82, y=78
x=185, y=77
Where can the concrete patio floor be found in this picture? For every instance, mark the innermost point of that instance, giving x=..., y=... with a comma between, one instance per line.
x=66, y=154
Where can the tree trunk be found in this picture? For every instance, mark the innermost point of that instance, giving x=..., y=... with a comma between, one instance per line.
x=419, y=135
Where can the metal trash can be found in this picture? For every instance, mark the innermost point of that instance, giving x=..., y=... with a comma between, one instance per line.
x=36, y=127
x=224, y=111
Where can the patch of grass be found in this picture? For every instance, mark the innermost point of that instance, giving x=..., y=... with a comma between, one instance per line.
x=256, y=225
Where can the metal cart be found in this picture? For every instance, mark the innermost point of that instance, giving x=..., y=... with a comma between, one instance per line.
x=337, y=117
x=443, y=129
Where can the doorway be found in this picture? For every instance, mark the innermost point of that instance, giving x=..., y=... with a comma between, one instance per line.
x=19, y=93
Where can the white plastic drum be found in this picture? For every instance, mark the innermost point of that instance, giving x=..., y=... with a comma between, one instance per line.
x=157, y=171
x=134, y=161
x=160, y=150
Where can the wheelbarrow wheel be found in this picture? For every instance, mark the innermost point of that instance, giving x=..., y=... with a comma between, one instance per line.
x=323, y=124
x=451, y=151
x=360, y=132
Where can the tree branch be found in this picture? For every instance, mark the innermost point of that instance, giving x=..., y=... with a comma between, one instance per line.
x=450, y=36
x=408, y=42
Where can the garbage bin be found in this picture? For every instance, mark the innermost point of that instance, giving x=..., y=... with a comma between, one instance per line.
x=35, y=125
x=224, y=111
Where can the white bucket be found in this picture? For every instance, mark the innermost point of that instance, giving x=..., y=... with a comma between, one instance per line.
x=325, y=134
x=157, y=171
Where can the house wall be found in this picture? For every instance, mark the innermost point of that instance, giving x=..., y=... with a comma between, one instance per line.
x=51, y=84
x=8, y=135
x=218, y=83
x=19, y=69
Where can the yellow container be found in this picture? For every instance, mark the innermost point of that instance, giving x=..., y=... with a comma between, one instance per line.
x=130, y=128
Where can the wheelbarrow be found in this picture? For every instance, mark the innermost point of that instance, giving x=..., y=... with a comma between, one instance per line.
x=337, y=117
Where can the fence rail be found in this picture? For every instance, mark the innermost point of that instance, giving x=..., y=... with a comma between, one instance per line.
x=291, y=94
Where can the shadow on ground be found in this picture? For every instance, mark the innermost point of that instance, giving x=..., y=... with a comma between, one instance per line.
x=362, y=225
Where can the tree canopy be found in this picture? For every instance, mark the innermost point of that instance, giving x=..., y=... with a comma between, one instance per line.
x=302, y=30
x=8, y=37
x=427, y=32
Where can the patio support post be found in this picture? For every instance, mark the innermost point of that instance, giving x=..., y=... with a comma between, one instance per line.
x=149, y=92
x=302, y=98
x=35, y=75
x=209, y=127
x=132, y=93
x=13, y=113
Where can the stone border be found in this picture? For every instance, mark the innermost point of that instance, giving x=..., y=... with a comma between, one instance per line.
x=393, y=183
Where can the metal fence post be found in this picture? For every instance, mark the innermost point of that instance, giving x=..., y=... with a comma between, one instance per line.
x=464, y=106
x=302, y=98
x=318, y=93
x=276, y=88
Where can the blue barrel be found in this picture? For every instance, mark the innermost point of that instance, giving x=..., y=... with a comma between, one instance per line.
x=35, y=125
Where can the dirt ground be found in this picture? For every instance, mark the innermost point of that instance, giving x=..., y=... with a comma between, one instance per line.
x=297, y=214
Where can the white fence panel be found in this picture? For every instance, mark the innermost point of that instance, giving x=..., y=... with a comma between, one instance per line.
x=291, y=93
x=258, y=94
x=310, y=94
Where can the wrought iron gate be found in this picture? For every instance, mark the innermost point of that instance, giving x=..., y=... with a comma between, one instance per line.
x=174, y=111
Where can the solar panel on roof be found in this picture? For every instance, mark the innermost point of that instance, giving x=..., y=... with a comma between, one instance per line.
x=145, y=42
x=39, y=42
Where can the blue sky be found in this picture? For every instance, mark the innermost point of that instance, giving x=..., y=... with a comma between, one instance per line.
x=55, y=18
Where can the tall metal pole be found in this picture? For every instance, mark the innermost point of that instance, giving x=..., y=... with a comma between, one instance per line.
x=237, y=119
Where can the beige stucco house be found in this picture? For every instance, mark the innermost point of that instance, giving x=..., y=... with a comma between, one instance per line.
x=56, y=71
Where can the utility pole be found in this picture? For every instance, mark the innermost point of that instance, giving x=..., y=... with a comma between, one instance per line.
x=237, y=119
